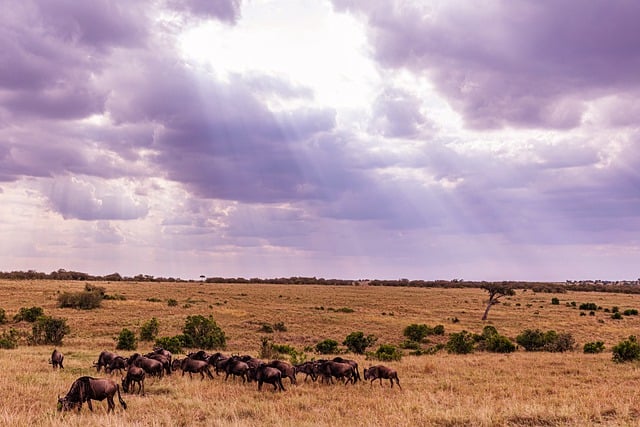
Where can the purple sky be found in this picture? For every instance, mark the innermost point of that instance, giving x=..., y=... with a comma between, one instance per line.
x=488, y=140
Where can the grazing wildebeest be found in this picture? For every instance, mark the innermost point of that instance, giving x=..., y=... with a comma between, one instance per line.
x=352, y=363
x=380, y=372
x=56, y=359
x=251, y=361
x=104, y=359
x=236, y=367
x=86, y=389
x=266, y=374
x=118, y=363
x=338, y=370
x=135, y=375
x=195, y=366
x=287, y=369
x=307, y=368
x=150, y=366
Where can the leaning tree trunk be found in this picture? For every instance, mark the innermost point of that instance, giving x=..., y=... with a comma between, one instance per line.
x=486, y=311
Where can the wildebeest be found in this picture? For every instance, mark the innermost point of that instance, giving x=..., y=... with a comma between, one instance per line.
x=236, y=367
x=251, y=361
x=307, y=368
x=338, y=370
x=380, y=372
x=219, y=361
x=166, y=361
x=352, y=363
x=56, y=359
x=287, y=369
x=266, y=374
x=135, y=375
x=86, y=389
x=104, y=359
x=150, y=366
x=118, y=363
x=195, y=366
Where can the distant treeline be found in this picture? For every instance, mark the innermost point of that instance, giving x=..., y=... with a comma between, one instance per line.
x=629, y=287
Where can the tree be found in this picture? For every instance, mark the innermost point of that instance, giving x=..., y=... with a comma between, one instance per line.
x=496, y=291
x=203, y=332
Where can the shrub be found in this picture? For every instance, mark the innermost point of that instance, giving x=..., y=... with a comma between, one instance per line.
x=416, y=333
x=149, y=330
x=594, y=347
x=28, y=314
x=280, y=327
x=460, y=343
x=345, y=310
x=410, y=345
x=327, y=346
x=616, y=316
x=266, y=328
x=126, y=340
x=154, y=299
x=438, y=330
x=627, y=350
x=3, y=316
x=499, y=344
x=531, y=340
x=555, y=301
x=631, y=312
x=589, y=306
x=88, y=299
x=171, y=302
x=49, y=330
x=9, y=340
x=387, y=352
x=203, y=332
x=358, y=343
x=173, y=344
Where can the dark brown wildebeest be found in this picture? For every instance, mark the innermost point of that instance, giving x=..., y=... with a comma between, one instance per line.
x=135, y=375
x=195, y=366
x=86, y=389
x=166, y=361
x=236, y=367
x=307, y=368
x=165, y=353
x=176, y=364
x=150, y=366
x=331, y=369
x=56, y=359
x=251, y=361
x=287, y=369
x=104, y=359
x=380, y=372
x=352, y=363
x=266, y=374
x=219, y=361
x=118, y=363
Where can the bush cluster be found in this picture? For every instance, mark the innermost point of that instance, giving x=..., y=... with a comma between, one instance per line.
x=203, y=332
x=126, y=340
x=9, y=340
x=28, y=314
x=490, y=340
x=49, y=330
x=460, y=343
x=627, y=350
x=593, y=347
x=357, y=342
x=537, y=340
x=173, y=344
x=149, y=330
x=91, y=297
x=327, y=346
x=387, y=352
x=418, y=332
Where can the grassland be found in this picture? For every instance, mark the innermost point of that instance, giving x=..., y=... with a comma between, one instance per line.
x=481, y=389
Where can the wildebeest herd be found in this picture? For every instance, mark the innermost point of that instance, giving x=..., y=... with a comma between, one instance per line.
x=160, y=362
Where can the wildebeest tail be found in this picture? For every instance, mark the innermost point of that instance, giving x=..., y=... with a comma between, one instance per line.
x=122, y=402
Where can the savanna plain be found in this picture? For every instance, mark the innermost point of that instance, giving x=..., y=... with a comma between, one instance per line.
x=478, y=389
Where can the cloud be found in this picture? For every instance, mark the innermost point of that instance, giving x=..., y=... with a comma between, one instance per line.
x=223, y=10
x=503, y=63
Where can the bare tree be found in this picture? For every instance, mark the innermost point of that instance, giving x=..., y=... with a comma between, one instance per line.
x=496, y=291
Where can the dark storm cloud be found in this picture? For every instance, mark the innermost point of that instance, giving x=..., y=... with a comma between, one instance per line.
x=511, y=63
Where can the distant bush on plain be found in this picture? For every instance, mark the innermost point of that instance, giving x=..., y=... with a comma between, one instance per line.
x=28, y=314
x=91, y=297
x=627, y=350
x=49, y=330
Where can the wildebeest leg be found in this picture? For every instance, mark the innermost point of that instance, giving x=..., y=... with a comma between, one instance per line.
x=260, y=385
x=110, y=404
x=280, y=385
x=88, y=404
x=398, y=382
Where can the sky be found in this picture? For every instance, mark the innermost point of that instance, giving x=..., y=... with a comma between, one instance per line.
x=352, y=139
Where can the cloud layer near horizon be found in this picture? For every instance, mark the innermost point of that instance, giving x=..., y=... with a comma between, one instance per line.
x=487, y=142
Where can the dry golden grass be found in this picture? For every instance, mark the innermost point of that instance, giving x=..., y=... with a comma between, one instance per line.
x=482, y=389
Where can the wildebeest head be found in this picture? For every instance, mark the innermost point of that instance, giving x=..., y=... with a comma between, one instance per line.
x=64, y=404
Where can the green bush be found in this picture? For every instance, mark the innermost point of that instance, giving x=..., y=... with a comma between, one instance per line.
x=438, y=330
x=28, y=314
x=173, y=344
x=555, y=301
x=149, y=330
x=410, y=345
x=536, y=340
x=588, y=306
x=280, y=327
x=9, y=340
x=88, y=299
x=171, y=302
x=499, y=344
x=627, y=350
x=531, y=339
x=416, y=332
x=616, y=316
x=594, y=347
x=266, y=328
x=357, y=343
x=126, y=340
x=387, y=352
x=3, y=316
x=203, y=333
x=631, y=312
x=460, y=343
x=327, y=346
x=49, y=330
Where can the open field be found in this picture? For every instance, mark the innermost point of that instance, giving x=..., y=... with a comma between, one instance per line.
x=482, y=389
